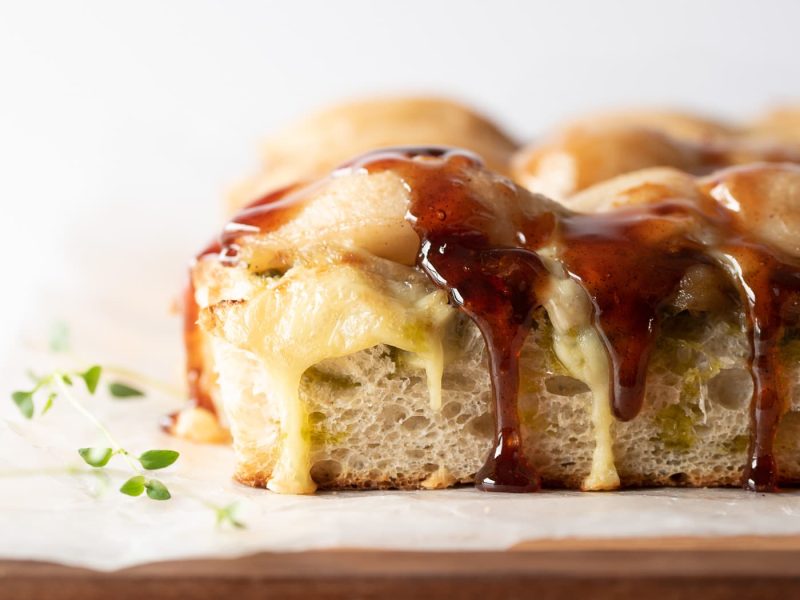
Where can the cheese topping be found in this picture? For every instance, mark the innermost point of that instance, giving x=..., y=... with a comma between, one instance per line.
x=316, y=312
x=578, y=346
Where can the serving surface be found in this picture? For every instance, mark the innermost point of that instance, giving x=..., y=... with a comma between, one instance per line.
x=737, y=567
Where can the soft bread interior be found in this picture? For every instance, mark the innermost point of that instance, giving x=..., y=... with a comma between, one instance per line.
x=371, y=424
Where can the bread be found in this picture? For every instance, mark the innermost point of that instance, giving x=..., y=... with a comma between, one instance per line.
x=314, y=146
x=594, y=149
x=682, y=125
x=340, y=364
x=779, y=124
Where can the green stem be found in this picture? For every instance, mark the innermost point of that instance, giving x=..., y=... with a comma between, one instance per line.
x=148, y=381
x=135, y=376
x=64, y=391
x=42, y=471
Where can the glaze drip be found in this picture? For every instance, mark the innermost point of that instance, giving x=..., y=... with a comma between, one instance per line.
x=495, y=283
x=631, y=262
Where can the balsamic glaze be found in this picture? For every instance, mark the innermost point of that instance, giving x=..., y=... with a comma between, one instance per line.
x=767, y=287
x=629, y=261
x=495, y=283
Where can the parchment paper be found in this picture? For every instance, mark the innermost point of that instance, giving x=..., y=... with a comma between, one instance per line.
x=115, y=291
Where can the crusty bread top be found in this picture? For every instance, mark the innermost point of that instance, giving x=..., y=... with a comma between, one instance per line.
x=599, y=147
x=314, y=146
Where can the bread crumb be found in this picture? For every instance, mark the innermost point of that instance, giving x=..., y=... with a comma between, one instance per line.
x=200, y=425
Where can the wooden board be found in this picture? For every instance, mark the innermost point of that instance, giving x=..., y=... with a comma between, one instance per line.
x=711, y=568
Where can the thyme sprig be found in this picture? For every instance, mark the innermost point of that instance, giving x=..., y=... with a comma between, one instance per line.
x=60, y=385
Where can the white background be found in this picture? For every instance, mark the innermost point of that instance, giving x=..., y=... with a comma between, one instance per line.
x=122, y=123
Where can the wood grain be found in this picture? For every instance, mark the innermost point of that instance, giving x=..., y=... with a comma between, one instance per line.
x=738, y=542
x=712, y=568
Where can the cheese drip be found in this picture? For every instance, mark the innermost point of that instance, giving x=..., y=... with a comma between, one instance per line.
x=578, y=346
x=321, y=311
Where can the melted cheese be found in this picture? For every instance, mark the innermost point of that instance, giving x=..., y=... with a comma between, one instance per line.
x=330, y=306
x=322, y=311
x=578, y=346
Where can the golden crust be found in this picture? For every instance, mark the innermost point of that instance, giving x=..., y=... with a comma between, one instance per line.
x=593, y=149
x=259, y=479
x=584, y=155
x=678, y=124
x=781, y=124
x=314, y=146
